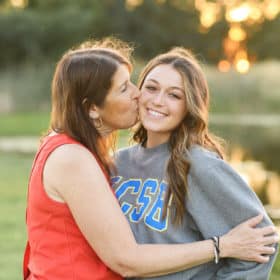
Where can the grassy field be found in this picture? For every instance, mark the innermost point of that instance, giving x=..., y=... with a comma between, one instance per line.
x=24, y=124
x=14, y=172
x=34, y=124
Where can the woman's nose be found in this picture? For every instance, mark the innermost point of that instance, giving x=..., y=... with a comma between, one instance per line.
x=158, y=98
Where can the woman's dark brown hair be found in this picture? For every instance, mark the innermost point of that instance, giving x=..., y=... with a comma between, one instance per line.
x=83, y=77
x=192, y=130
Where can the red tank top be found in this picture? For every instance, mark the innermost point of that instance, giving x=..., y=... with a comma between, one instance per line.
x=56, y=247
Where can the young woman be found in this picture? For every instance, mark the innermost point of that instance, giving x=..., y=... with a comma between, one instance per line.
x=174, y=186
x=76, y=229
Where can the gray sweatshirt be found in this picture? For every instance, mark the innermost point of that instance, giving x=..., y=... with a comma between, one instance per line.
x=218, y=200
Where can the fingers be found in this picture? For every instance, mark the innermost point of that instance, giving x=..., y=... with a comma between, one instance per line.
x=264, y=254
x=270, y=240
x=255, y=220
x=268, y=230
x=262, y=259
x=266, y=250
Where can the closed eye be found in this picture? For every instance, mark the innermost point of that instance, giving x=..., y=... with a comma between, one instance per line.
x=174, y=95
x=124, y=87
x=150, y=88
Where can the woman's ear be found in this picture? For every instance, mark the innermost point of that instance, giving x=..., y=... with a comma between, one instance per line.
x=93, y=112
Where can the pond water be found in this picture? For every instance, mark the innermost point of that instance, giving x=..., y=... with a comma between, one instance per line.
x=253, y=146
x=258, y=136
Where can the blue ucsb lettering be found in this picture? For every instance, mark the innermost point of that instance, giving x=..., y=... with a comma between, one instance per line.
x=148, y=201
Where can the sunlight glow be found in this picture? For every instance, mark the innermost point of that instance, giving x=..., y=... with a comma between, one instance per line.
x=19, y=3
x=238, y=14
x=132, y=4
x=224, y=66
x=236, y=33
x=207, y=18
x=271, y=9
x=209, y=12
x=242, y=66
x=230, y=47
x=256, y=14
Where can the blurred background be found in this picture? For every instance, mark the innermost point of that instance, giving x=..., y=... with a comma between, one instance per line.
x=236, y=41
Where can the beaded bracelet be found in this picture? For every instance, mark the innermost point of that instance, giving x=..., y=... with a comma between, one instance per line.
x=216, y=241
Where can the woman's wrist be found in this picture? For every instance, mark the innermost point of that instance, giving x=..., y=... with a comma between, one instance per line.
x=224, y=248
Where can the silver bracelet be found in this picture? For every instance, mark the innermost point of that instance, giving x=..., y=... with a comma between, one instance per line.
x=216, y=242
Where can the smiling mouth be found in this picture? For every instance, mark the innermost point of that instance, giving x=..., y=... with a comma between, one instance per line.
x=156, y=113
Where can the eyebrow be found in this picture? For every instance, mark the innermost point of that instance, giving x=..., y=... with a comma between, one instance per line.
x=155, y=81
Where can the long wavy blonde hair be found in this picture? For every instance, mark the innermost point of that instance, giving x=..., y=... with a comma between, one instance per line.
x=192, y=130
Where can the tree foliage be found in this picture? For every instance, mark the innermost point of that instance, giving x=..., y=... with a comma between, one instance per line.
x=44, y=29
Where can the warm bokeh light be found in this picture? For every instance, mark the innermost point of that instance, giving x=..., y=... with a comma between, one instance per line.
x=238, y=14
x=242, y=65
x=19, y=3
x=273, y=190
x=271, y=9
x=256, y=14
x=241, y=62
x=230, y=47
x=207, y=19
x=241, y=54
x=200, y=4
x=224, y=66
x=209, y=14
x=132, y=4
x=236, y=33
